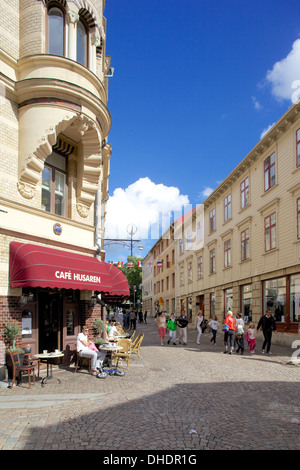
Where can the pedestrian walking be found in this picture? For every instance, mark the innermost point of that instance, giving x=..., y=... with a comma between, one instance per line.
x=145, y=317
x=229, y=332
x=182, y=323
x=162, y=326
x=251, y=337
x=268, y=325
x=132, y=317
x=214, y=325
x=199, y=321
x=172, y=326
x=239, y=333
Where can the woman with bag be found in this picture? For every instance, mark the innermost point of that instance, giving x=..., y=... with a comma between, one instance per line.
x=229, y=330
x=239, y=333
x=199, y=321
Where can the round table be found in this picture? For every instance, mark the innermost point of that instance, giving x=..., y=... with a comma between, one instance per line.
x=48, y=357
x=110, y=348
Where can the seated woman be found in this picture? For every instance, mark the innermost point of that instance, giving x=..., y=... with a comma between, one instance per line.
x=83, y=349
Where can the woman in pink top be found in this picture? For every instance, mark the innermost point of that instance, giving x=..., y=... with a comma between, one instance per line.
x=229, y=335
x=162, y=326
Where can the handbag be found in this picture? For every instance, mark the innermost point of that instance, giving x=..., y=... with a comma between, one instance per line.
x=225, y=327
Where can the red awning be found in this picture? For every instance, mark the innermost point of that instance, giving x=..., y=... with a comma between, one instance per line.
x=40, y=266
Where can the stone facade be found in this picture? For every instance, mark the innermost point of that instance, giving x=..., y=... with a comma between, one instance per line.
x=52, y=104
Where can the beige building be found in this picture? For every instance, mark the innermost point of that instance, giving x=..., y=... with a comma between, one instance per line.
x=250, y=258
x=240, y=249
x=161, y=259
x=54, y=166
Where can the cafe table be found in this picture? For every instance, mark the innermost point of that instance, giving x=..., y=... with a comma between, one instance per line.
x=49, y=358
x=111, y=348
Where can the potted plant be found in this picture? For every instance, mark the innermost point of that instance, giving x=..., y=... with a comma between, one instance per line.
x=99, y=326
x=11, y=332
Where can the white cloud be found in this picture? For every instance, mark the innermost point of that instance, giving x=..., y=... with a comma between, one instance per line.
x=143, y=204
x=285, y=74
x=207, y=190
x=256, y=103
x=264, y=132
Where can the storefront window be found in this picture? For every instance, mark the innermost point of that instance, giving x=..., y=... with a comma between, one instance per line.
x=212, y=304
x=246, y=302
x=26, y=324
x=295, y=298
x=228, y=300
x=70, y=322
x=189, y=308
x=275, y=298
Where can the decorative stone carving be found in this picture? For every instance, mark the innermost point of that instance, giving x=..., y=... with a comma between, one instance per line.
x=26, y=190
x=82, y=210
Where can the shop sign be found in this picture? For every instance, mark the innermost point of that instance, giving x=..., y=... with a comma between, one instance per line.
x=77, y=277
x=57, y=229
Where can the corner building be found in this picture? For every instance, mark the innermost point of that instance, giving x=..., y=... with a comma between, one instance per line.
x=54, y=169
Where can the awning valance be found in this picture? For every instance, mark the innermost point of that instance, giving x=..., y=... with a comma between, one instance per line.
x=40, y=266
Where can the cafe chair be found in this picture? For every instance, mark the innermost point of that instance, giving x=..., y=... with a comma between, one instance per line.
x=31, y=361
x=124, y=353
x=18, y=369
x=136, y=345
x=79, y=361
x=132, y=335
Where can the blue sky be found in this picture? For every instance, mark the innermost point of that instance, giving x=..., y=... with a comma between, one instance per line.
x=196, y=83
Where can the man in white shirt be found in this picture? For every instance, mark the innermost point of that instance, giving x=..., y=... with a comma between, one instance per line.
x=97, y=357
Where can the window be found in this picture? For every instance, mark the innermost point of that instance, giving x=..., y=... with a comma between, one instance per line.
x=228, y=299
x=270, y=232
x=181, y=246
x=298, y=148
x=82, y=43
x=275, y=298
x=56, y=27
x=200, y=267
x=245, y=193
x=246, y=302
x=190, y=271
x=227, y=208
x=227, y=253
x=295, y=298
x=181, y=274
x=270, y=172
x=298, y=219
x=199, y=232
x=54, y=184
x=212, y=303
x=212, y=261
x=212, y=220
x=245, y=244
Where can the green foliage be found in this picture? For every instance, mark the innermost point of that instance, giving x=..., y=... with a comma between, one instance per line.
x=11, y=332
x=134, y=277
x=99, y=325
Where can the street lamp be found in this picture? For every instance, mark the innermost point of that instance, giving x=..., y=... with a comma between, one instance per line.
x=131, y=230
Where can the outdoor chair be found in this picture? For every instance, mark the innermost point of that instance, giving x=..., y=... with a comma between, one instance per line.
x=136, y=345
x=132, y=335
x=124, y=353
x=18, y=369
x=80, y=360
x=31, y=361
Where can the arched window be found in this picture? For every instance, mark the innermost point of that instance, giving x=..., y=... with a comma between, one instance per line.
x=56, y=26
x=82, y=43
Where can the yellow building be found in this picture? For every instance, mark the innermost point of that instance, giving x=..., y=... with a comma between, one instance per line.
x=250, y=258
x=54, y=164
x=161, y=258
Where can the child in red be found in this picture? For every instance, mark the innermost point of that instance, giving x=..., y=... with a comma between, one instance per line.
x=251, y=337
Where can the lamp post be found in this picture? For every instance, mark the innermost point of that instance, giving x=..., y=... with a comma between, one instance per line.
x=131, y=230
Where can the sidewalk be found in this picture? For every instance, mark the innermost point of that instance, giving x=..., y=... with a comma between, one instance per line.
x=174, y=398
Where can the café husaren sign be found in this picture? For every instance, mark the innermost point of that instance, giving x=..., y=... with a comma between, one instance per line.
x=71, y=276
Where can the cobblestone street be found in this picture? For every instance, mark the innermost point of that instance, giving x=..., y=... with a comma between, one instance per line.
x=173, y=398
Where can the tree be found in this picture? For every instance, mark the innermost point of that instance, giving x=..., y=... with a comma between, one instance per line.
x=134, y=276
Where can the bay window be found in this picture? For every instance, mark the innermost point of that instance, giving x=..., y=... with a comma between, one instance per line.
x=56, y=31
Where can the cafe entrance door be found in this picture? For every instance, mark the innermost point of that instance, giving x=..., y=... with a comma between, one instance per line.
x=50, y=311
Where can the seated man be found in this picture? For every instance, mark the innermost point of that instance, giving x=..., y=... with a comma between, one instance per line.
x=113, y=332
x=97, y=357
